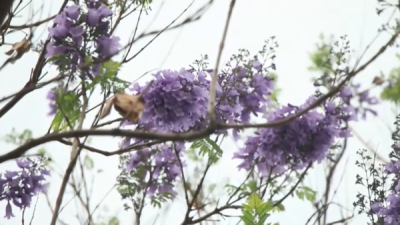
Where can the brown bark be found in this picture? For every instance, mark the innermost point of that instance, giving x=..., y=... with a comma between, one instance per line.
x=5, y=6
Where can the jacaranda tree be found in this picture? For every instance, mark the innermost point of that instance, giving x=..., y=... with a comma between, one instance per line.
x=172, y=124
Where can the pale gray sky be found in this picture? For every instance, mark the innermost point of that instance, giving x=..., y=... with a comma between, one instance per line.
x=296, y=25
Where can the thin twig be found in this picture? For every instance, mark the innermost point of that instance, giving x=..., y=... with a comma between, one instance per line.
x=214, y=77
x=293, y=188
x=74, y=157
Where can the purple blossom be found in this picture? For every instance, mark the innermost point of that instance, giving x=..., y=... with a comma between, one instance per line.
x=257, y=65
x=52, y=50
x=165, y=167
x=108, y=46
x=393, y=167
x=76, y=34
x=18, y=187
x=176, y=101
x=298, y=143
x=95, y=15
x=376, y=207
x=67, y=37
x=52, y=96
x=346, y=94
x=72, y=11
x=9, y=212
x=58, y=32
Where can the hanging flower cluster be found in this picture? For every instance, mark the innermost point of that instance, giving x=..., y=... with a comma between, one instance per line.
x=19, y=187
x=177, y=101
x=305, y=140
x=78, y=35
x=162, y=165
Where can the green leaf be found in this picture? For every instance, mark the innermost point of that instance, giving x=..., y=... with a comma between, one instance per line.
x=255, y=212
x=300, y=195
x=212, y=187
x=107, y=79
x=279, y=208
x=254, y=200
x=208, y=147
x=191, y=153
x=41, y=151
x=262, y=218
x=276, y=91
x=197, y=144
x=322, y=60
x=264, y=208
x=88, y=162
x=18, y=138
x=113, y=221
x=252, y=185
x=215, y=147
x=309, y=193
x=70, y=106
x=247, y=218
x=392, y=93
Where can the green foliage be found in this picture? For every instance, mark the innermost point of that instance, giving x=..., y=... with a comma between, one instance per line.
x=207, y=147
x=156, y=201
x=246, y=189
x=42, y=151
x=276, y=91
x=107, y=78
x=191, y=154
x=306, y=193
x=143, y=2
x=255, y=211
x=88, y=162
x=70, y=107
x=112, y=221
x=392, y=93
x=18, y=138
x=63, y=62
x=321, y=58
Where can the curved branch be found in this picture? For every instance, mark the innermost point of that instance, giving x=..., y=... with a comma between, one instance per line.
x=5, y=9
x=38, y=23
x=34, y=76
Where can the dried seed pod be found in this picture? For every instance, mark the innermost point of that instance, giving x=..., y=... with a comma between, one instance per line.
x=130, y=107
x=21, y=48
x=107, y=108
x=377, y=80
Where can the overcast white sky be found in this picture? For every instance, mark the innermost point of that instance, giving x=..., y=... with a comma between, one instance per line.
x=296, y=25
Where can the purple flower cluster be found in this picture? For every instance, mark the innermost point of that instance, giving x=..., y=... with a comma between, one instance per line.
x=177, y=101
x=160, y=163
x=18, y=187
x=362, y=97
x=75, y=32
x=391, y=212
x=390, y=208
x=244, y=92
x=308, y=138
x=303, y=141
